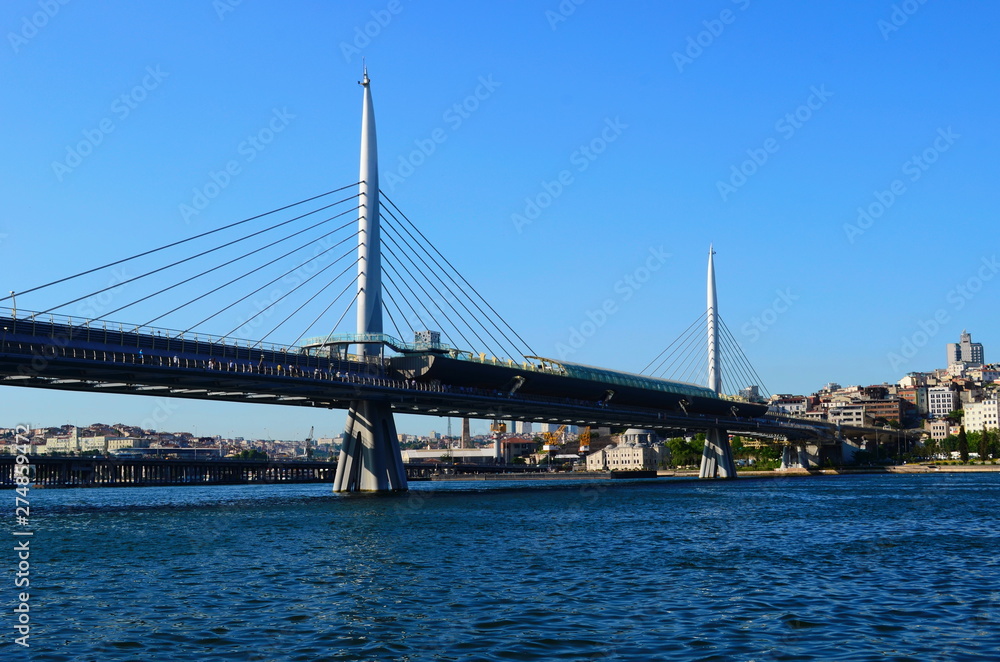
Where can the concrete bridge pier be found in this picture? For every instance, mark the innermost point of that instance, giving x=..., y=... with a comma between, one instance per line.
x=791, y=457
x=370, y=460
x=717, y=458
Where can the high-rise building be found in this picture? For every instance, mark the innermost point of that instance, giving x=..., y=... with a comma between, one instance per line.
x=965, y=351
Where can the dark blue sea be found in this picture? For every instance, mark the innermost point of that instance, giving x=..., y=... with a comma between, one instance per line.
x=876, y=567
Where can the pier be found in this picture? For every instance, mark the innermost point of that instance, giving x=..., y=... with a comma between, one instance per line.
x=115, y=472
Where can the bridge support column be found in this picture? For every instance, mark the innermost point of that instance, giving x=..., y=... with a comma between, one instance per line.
x=370, y=460
x=717, y=458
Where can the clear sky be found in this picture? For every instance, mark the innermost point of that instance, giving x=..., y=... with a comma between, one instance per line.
x=642, y=131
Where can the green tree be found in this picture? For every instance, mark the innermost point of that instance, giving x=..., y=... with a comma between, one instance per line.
x=250, y=454
x=992, y=443
x=739, y=450
x=683, y=452
x=963, y=445
x=930, y=449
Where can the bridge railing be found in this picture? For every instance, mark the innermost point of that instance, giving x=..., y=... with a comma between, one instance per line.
x=61, y=330
x=319, y=342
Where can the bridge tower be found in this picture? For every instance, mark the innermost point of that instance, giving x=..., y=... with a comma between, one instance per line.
x=370, y=460
x=717, y=458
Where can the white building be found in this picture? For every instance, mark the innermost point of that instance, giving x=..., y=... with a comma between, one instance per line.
x=639, y=450
x=984, y=374
x=625, y=458
x=788, y=405
x=108, y=444
x=598, y=460
x=847, y=415
x=981, y=416
x=941, y=401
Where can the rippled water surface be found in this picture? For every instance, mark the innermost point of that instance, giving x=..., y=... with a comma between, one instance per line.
x=888, y=567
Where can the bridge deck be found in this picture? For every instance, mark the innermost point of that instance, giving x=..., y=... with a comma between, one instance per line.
x=66, y=356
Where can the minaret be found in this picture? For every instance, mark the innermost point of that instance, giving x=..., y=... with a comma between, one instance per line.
x=369, y=234
x=717, y=458
x=370, y=460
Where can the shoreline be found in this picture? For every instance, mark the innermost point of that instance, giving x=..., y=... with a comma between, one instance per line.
x=775, y=473
x=909, y=469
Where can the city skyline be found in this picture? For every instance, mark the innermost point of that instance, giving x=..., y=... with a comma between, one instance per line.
x=823, y=150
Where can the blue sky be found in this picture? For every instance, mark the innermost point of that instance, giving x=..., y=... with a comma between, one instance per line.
x=825, y=107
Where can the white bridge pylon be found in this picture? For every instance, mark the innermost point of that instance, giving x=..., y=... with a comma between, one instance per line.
x=717, y=458
x=370, y=460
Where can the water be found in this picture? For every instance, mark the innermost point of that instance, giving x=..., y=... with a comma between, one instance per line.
x=841, y=568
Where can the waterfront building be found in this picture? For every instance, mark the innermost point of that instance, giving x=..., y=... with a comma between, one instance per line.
x=458, y=455
x=981, y=416
x=106, y=444
x=633, y=457
x=637, y=450
x=516, y=447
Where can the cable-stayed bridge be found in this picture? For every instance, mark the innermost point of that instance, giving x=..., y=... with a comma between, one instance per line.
x=317, y=260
